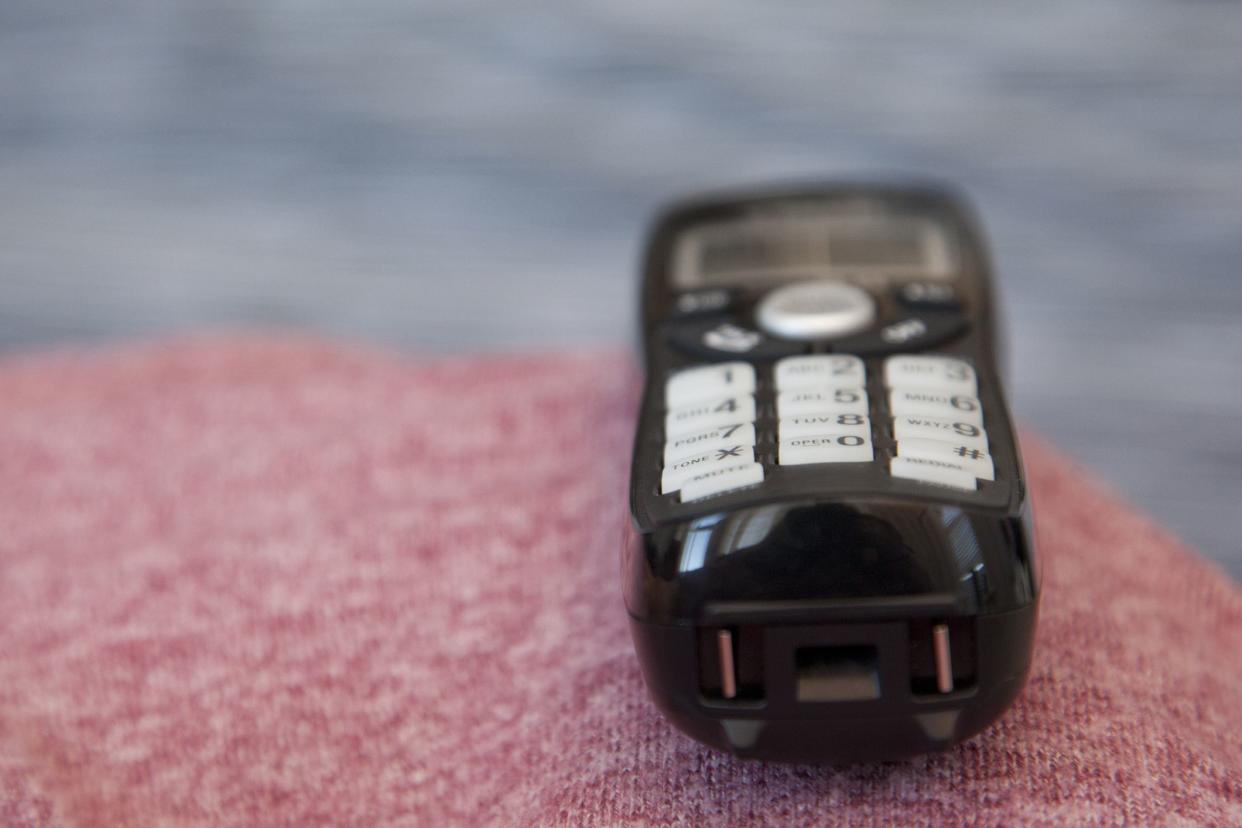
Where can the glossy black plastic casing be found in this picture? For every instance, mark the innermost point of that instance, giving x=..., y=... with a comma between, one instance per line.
x=820, y=559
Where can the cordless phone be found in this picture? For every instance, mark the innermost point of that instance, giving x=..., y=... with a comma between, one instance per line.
x=830, y=558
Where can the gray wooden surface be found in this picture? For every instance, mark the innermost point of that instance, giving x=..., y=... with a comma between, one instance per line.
x=454, y=175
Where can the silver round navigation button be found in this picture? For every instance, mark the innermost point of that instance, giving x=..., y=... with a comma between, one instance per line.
x=816, y=310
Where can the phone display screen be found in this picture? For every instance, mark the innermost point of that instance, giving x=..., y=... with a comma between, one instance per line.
x=781, y=248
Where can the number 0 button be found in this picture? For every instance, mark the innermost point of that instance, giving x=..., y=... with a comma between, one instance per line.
x=825, y=448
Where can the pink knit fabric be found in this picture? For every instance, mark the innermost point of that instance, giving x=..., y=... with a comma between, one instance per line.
x=277, y=582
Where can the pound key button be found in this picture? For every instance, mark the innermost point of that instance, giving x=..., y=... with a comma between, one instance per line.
x=970, y=458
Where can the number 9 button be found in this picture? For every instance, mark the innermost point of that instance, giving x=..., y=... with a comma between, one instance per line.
x=822, y=410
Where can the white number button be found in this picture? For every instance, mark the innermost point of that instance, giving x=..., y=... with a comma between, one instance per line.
x=942, y=373
x=802, y=425
x=709, y=382
x=721, y=479
x=678, y=473
x=970, y=459
x=940, y=428
x=821, y=401
x=914, y=402
x=825, y=448
x=937, y=472
x=704, y=415
x=711, y=438
x=821, y=371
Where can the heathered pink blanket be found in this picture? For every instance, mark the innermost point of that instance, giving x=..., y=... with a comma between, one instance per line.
x=257, y=582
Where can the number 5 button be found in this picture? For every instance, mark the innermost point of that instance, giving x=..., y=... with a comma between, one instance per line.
x=821, y=401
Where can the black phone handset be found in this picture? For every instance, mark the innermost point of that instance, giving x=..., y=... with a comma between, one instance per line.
x=831, y=556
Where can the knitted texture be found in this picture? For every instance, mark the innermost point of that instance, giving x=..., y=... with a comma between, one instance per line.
x=248, y=581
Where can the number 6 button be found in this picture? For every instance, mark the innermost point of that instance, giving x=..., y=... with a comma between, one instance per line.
x=913, y=402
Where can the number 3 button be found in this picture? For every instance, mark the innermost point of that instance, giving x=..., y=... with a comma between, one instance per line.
x=940, y=373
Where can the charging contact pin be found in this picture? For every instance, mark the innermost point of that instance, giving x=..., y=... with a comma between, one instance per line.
x=728, y=678
x=944, y=658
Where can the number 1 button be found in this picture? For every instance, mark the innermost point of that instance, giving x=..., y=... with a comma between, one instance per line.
x=709, y=382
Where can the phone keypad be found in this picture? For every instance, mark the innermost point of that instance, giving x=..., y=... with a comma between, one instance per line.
x=823, y=417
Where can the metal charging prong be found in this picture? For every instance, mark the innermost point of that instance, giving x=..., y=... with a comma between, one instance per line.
x=728, y=680
x=944, y=658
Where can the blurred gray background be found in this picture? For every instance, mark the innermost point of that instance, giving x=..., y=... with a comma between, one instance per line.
x=449, y=176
